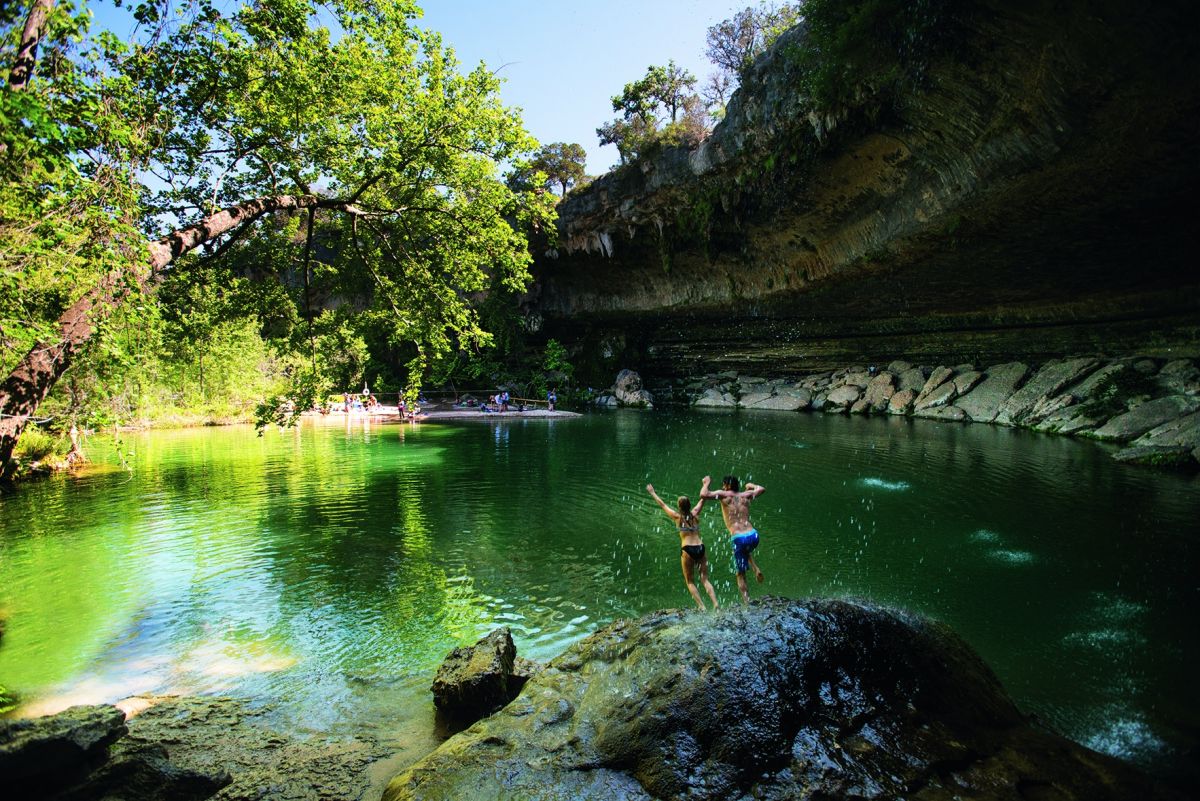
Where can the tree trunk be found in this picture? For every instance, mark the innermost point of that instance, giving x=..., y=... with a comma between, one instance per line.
x=34, y=376
x=22, y=69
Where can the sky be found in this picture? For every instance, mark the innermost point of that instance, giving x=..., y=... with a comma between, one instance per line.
x=564, y=60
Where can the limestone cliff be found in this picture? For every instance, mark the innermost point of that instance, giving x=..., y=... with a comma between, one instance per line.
x=1029, y=199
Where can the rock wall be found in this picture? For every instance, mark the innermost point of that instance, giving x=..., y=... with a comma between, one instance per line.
x=1030, y=202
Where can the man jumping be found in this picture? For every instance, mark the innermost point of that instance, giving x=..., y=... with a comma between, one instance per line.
x=735, y=507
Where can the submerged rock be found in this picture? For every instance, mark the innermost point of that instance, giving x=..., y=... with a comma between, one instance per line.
x=779, y=700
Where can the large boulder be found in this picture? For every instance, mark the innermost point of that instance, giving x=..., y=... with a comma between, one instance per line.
x=785, y=402
x=842, y=398
x=1182, y=432
x=778, y=700
x=982, y=403
x=939, y=396
x=951, y=413
x=880, y=391
x=937, y=378
x=1048, y=382
x=628, y=390
x=715, y=398
x=901, y=402
x=61, y=743
x=80, y=754
x=913, y=378
x=1143, y=418
x=476, y=680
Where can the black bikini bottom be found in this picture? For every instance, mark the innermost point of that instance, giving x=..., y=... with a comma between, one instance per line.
x=694, y=551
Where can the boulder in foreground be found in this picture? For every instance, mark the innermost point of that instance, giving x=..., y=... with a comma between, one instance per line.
x=779, y=700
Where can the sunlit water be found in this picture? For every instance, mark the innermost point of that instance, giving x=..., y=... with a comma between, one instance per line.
x=327, y=570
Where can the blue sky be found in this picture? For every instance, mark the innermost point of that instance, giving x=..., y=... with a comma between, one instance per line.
x=564, y=60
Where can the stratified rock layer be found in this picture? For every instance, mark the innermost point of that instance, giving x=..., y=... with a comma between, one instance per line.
x=779, y=700
x=1029, y=199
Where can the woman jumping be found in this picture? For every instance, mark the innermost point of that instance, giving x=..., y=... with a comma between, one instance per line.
x=687, y=520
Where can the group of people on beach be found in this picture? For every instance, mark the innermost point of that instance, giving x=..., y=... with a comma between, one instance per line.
x=735, y=508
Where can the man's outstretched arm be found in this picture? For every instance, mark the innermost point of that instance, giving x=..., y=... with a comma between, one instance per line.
x=706, y=494
x=753, y=490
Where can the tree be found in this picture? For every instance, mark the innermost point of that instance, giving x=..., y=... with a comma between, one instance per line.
x=733, y=44
x=562, y=163
x=654, y=100
x=209, y=129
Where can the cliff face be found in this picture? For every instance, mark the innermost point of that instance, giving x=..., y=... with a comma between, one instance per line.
x=1030, y=199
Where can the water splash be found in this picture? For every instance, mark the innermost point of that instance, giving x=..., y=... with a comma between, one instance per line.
x=984, y=535
x=1012, y=557
x=1125, y=738
x=884, y=484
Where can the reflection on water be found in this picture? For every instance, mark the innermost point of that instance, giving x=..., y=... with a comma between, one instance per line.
x=328, y=570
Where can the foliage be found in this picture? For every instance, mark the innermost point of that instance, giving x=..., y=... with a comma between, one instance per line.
x=562, y=163
x=206, y=108
x=658, y=109
x=36, y=445
x=862, y=48
x=8, y=700
x=556, y=360
x=1113, y=392
x=733, y=44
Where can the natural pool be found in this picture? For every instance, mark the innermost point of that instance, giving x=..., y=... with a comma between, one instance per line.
x=327, y=570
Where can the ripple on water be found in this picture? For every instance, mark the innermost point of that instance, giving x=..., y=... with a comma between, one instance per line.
x=985, y=535
x=1115, y=609
x=884, y=484
x=1104, y=639
x=1012, y=557
x=1125, y=737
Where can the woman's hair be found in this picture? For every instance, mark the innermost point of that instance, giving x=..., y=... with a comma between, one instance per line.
x=731, y=483
x=686, y=518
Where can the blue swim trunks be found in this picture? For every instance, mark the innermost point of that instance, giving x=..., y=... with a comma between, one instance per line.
x=743, y=544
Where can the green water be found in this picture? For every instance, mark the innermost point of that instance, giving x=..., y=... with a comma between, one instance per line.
x=327, y=570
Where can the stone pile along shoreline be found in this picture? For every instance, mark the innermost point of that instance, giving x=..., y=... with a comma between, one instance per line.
x=1151, y=406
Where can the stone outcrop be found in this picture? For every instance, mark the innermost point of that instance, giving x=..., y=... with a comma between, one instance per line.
x=778, y=700
x=476, y=680
x=80, y=754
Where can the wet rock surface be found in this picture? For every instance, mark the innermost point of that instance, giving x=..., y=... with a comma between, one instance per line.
x=85, y=752
x=814, y=699
x=476, y=680
x=263, y=758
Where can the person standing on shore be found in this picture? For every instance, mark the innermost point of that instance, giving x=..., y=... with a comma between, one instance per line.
x=551, y=398
x=735, y=508
x=691, y=554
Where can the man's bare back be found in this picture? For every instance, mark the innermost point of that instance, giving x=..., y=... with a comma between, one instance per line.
x=735, y=508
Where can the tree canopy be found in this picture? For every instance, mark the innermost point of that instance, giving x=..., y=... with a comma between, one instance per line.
x=733, y=44
x=651, y=109
x=332, y=149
